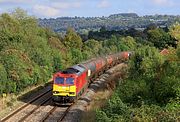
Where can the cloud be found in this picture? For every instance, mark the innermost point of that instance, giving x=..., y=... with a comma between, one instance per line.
x=14, y=1
x=103, y=4
x=163, y=2
x=131, y=11
x=55, y=8
x=45, y=11
x=66, y=5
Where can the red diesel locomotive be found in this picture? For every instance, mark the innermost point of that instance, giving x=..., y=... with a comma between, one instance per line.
x=69, y=84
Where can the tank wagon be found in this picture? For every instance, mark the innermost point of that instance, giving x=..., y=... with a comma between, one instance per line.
x=70, y=84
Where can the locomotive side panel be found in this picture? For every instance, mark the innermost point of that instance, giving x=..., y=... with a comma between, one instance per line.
x=81, y=83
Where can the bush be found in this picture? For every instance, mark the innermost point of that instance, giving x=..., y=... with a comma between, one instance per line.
x=134, y=92
x=101, y=116
x=19, y=68
x=3, y=79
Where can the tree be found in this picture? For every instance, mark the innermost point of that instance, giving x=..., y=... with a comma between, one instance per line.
x=175, y=31
x=10, y=31
x=159, y=38
x=72, y=39
x=77, y=56
x=127, y=43
x=19, y=14
x=94, y=46
x=103, y=29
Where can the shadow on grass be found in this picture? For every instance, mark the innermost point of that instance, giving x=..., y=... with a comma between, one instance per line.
x=31, y=97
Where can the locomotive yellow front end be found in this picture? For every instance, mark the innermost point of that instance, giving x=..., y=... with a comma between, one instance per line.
x=64, y=89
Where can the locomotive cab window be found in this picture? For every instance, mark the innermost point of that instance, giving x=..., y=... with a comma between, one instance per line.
x=59, y=80
x=70, y=81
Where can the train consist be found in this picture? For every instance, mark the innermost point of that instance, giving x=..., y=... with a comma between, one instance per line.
x=69, y=85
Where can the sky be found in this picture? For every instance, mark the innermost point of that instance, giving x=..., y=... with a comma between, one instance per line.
x=91, y=8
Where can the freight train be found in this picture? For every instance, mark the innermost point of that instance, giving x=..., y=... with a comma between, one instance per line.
x=70, y=84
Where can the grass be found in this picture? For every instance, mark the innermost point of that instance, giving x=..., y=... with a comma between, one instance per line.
x=10, y=102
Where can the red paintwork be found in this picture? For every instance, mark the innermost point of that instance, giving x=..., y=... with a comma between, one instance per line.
x=125, y=55
x=81, y=82
x=99, y=64
x=164, y=52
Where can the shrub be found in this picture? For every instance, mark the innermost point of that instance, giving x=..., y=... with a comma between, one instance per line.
x=19, y=68
x=101, y=116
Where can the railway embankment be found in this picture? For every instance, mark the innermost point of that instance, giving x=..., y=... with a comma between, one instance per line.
x=96, y=95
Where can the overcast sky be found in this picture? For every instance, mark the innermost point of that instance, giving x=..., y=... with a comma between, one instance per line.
x=89, y=8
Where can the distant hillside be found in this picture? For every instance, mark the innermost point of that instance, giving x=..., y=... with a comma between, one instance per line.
x=112, y=22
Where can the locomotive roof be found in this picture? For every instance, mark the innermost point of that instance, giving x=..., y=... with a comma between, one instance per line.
x=76, y=69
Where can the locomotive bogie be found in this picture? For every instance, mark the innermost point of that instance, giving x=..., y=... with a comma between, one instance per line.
x=57, y=99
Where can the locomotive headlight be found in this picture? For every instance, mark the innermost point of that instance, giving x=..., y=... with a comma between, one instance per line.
x=55, y=92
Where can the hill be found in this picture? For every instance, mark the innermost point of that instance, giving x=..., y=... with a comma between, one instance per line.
x=112, y=22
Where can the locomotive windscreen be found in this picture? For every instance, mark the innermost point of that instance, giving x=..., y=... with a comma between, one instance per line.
x=70, y=81
x=59, y=80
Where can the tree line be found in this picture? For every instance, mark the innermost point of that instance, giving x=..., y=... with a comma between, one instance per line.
x=120, y=21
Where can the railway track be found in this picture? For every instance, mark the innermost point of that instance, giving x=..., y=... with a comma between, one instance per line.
x=34, y=104
x=39, y=109
x=57, y=113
